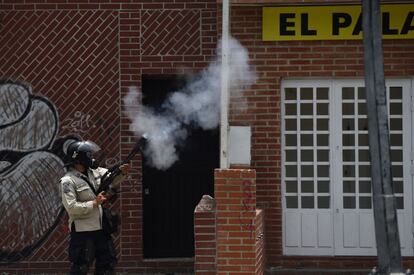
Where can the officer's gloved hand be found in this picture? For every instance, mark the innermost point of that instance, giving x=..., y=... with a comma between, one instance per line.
x=124, y=169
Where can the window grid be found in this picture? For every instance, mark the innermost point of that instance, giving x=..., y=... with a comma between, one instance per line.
x=354, y=125
x=395, y=112
x=307, y=121
x=357, y=185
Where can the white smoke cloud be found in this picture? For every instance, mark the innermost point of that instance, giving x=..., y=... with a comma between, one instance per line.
x=196, y=105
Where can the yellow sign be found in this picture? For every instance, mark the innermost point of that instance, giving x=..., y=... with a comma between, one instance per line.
x=333, y=22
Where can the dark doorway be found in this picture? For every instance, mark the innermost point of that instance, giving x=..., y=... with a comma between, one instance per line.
x=169, y=197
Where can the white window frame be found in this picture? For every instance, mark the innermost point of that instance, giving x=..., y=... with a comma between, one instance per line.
x=301, y=216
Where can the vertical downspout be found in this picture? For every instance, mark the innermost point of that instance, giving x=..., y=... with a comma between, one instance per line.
x=224, y=101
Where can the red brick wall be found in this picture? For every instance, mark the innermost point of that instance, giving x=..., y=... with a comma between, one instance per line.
x=69, y=57
x=229, y=237
x=235, y=194
x=71, y=51
x=83, y=55
x=205, y=237
x=303, y=59
x=260, y=242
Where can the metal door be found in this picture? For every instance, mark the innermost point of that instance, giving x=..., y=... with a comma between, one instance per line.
x=170, y=196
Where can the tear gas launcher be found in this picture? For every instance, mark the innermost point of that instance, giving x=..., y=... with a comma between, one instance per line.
x=110, y=219
x=109, y=177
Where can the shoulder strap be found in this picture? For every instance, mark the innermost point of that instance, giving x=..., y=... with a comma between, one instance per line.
x=90, y=184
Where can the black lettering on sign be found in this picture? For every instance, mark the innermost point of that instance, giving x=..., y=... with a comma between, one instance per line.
x=386, y=29
x=358, y=26
x=408, y=24
x=340, y=20
x=284, y=24
x=304, y=25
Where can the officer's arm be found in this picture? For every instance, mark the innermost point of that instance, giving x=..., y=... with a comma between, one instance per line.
x=117, y=180
x=72, y=206
x=124, y=168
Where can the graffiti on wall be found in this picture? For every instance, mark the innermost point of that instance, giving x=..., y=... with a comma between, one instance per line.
x=80, y=122
x=31, y=163
x=248, y=208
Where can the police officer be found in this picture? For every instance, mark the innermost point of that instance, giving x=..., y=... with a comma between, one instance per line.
x=88, y=242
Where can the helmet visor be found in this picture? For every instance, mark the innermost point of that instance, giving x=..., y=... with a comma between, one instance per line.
x=89, y=146
x=90, y=156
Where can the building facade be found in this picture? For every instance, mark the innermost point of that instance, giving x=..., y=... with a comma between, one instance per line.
x=76, y=61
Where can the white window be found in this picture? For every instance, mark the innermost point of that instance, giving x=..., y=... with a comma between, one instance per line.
x=326, y=184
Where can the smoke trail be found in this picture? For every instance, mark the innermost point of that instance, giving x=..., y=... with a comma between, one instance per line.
x=196, y=105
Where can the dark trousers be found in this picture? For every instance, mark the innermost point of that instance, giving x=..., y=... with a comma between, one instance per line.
x=85, y=247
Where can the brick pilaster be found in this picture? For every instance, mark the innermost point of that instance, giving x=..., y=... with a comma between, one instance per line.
x=235, y=194
x=205, y=237
x=260, y=241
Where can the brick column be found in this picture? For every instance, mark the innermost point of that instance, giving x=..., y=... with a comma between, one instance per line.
x=205, y=237
x=260, y=250
x=235, y=194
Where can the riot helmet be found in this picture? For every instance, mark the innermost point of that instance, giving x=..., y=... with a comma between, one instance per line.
x=83, y=152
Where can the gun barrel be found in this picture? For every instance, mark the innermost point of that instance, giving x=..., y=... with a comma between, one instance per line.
x=110, y=175
x=143, y=141
x=139, y=146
